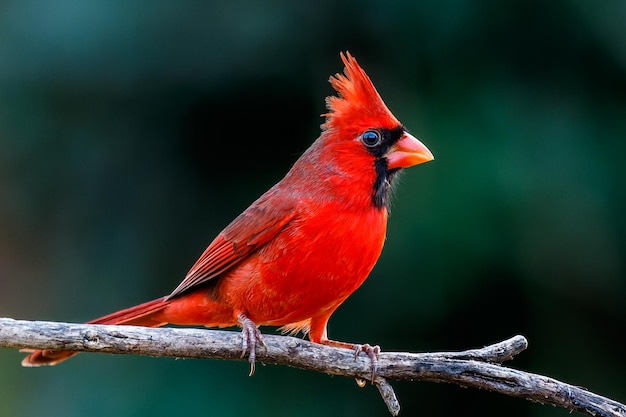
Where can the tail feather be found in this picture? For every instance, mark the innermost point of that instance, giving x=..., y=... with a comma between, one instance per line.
x=139, y=315
x=146, y=314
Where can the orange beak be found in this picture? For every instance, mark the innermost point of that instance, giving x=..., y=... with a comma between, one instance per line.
x=408, y=151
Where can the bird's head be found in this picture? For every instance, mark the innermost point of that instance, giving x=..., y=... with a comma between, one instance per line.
x=360, y=127
x=358, y=112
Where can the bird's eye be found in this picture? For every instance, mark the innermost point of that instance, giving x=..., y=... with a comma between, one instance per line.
x=371, y=138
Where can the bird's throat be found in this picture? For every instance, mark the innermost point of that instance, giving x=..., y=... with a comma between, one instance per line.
x=383, y=183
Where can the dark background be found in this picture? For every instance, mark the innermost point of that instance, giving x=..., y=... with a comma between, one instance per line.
x=132, y=132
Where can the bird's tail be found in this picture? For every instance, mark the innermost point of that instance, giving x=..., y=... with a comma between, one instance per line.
x=145, y=314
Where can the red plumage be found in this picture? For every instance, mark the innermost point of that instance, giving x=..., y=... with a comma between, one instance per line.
x=305, y=245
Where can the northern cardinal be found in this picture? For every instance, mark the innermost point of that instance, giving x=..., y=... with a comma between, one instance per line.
x=294, y=255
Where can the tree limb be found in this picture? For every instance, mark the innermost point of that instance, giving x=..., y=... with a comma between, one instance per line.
x=477, y=368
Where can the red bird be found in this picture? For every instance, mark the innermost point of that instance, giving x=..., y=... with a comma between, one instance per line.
x=294, y=255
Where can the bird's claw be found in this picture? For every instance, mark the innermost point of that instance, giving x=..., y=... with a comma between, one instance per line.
x=372, y=352
x=250, y=334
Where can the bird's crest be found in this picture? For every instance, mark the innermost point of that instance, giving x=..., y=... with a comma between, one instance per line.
x=358, y=105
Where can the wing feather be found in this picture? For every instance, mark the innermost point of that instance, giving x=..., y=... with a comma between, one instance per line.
x=257, y=225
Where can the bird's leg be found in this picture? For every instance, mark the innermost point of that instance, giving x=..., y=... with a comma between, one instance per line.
x=372, y=352
x=319, y=334
x=250, y=334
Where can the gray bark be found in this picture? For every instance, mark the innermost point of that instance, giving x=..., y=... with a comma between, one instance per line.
x=476, y=368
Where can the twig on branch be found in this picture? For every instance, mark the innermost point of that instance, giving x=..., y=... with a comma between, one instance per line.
x=477, y=368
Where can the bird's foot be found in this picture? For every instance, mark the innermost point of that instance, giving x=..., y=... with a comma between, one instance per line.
x=372, y=352
x=251, y=335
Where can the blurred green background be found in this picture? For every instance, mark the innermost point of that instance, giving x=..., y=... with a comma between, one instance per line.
x=132, y=132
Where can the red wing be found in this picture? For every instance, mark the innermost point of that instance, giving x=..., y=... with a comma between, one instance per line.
x=249, y=231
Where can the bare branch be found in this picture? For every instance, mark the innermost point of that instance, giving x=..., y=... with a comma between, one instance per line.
x=477, y=368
